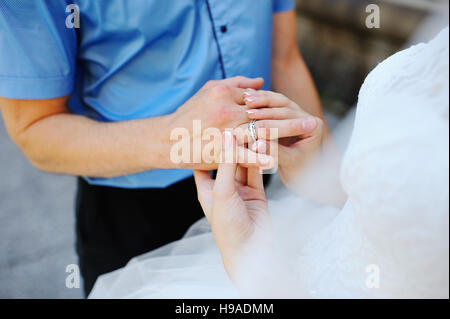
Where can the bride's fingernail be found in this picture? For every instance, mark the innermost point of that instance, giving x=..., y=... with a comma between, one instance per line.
x=309, y=124
x=249, y=95
x=249, y=99
x=251, y=111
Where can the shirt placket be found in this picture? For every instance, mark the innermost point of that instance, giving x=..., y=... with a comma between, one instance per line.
x=224, y=20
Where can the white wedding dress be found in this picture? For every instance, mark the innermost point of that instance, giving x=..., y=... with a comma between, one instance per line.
x=391, y=239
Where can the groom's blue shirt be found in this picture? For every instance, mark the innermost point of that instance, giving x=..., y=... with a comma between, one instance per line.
x=132, y=59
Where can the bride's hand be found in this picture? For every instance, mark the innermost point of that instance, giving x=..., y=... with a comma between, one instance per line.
x=300, y=134
x=236, y=207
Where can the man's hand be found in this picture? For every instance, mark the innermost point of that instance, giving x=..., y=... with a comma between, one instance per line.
x=55, y=140
x=220, y=105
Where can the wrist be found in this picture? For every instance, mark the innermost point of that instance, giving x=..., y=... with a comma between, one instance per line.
x=157, y=143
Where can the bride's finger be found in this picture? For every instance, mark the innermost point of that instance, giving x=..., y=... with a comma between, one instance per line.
x=241, y=175
x=204, y=184
x=224, y=187
x=257, y=99
x=272, y=148
x=280, y=152
x=283, y=113
x=250, y=159
x=203, y=181
x=242, y=172
x=255, y=179
x=274, y=129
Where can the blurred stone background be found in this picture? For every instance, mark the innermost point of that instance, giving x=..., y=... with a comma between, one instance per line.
x=340, y=50
x=36, y=209
x=36, y=228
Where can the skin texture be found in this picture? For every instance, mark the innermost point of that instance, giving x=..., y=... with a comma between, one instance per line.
x=300, y=134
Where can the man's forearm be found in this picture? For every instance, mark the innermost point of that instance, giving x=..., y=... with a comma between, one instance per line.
x=76, y=145
x=57, y=141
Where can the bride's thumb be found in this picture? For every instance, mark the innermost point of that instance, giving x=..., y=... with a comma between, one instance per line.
x=225, y=179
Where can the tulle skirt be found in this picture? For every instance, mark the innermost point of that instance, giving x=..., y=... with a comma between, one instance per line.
x=191, y=268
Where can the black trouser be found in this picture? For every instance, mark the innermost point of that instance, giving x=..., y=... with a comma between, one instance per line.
x=115, y=225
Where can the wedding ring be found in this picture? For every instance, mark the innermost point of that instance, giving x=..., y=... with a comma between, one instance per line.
x=252, y=130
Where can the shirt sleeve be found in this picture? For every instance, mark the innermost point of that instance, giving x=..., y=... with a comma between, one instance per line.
x=37, y=49
x=283, y=5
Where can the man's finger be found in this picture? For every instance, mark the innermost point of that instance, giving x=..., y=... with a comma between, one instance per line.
x=245, y=83
x=238, y=95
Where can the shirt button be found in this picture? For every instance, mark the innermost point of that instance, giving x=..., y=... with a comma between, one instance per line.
x=224, y=29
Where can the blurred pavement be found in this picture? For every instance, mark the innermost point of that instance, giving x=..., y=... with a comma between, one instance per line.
x=37, y=234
